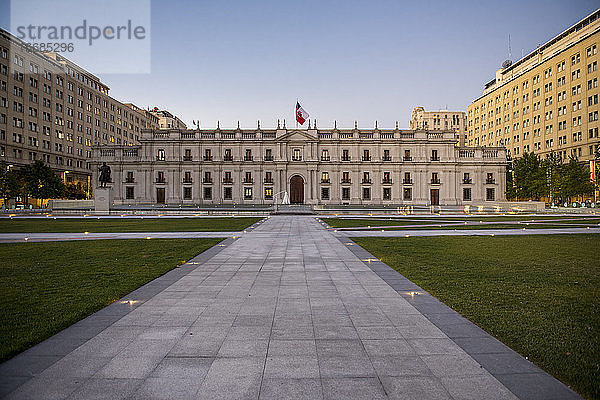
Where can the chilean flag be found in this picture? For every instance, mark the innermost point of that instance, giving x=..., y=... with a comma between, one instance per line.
x=301, y=115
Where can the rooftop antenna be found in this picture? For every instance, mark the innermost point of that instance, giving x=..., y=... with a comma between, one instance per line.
x=508, y=63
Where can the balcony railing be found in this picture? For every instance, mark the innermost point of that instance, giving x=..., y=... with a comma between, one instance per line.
x=407, y=181
x=407, y=158
x=325, y=158
x=228, y=158
x=268, y=180
x=160, y=180
x=207, y=180
x=346, y=181
x=189, y=180
x=129, y=180
x=387, y=182
x=248, y=158
x=208, y=158
x=249, y=181
x=345, y=158
x=384, y=158
x=160, y=158
x=490, y=181
x=227, y=181
x=435, y=181
x=296, y=158
x=187, y=158
x=366, y=181
x=467, y=181
x=325, y=181
x=366, y=158
x=268, y=158
x=435, y=158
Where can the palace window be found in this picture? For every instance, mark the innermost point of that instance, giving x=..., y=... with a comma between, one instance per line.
x=467, y=194
x=207, y=195
x=345, y=193
x=366, y=155
x=387, y=193
x=490, y=194
x=248, y=193
x=187, y=193
x=297, y=156
x=248, y=156
x=129, y=192
x=345, y=155
x=269, y=193
x=227, y=193
x=324, y=177
x=160, y=155
x=325, y=193
x=366, y=193
x=325, y=155
x=407, y=194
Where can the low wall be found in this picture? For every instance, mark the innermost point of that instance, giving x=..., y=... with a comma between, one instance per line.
x=70, y=204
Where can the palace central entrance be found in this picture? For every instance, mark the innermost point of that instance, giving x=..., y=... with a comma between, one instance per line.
x=297, y=190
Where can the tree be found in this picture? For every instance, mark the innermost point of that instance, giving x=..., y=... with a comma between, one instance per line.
x=530, y=177
x=41, y=182
x=574, y=180
x=74, y=190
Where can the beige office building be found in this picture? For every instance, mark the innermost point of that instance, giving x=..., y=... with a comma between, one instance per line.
x=55, y=111
x=166, y=120
x=315, y=166
x=545, y=102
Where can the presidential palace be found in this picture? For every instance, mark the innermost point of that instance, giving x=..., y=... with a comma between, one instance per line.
x=314, y=166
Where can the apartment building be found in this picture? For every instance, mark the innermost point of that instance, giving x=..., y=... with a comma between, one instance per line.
x=545, y=102
x=166, y=120
x=438, y=120
x=55, y=111
x=315, y=166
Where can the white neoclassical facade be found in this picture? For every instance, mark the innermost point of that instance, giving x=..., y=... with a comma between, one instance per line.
x=315, y=166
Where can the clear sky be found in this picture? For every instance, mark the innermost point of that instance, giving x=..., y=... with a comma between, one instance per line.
x=347, y=60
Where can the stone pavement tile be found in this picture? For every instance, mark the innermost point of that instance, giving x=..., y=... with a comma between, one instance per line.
x=109, y=389
x=167, y=389
x=129, y=367
x=300, y=347
x=399, y=365
x=414, y=388
x=453, y=365
x=249, y=332
x=46, y=389
x=291, y=389
x=253, y=320
x=57, y=346
x=340, y=348
x=233, y=368
x=305, y=331
x=536, y=386
x=421, y=331
x=244, y=348
x=328, y=331
x=477, y=387
x=184, y=368
x=434, y=346
x=477, y=345
x=196, y=346
x=505, y=363
x=353, y=388
x=466, y=330
x=10, y=383
x=289, y=367
x=388, y=347
x=378, y=332
x=348, y=366
x=165, y=333
x=23, y=365
x=229, y=388
x=75, y=366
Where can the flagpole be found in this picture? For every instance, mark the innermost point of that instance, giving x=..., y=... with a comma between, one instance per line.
x=296, y=113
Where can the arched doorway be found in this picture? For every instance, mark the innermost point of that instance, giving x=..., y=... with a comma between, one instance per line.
x=296, y=190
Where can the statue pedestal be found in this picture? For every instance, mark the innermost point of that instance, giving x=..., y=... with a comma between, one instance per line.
x=103, y=198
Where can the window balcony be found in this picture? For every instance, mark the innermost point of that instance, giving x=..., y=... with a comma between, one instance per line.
x=435, y=182
x=467, y=181
x=268, y=180
x=207, y=158
x=248, y=158
x=268, y=158
x=346, y=181
x=387, y=182
x=248, y=181
x=435, y=158
x=227, y=181
x=366, y=181
x=228, y=158
x=407, y=158
x=207, y=180
x=346, y=159
x=187, y=158
x=160, y=158
x=490, y=181
x=187, y=180
x=129, y=180
x=325, y=158
x=386, y=159
x=366, y=158
x=160, y=180
x=325, y=181
x=296, y=158
x=407, y=181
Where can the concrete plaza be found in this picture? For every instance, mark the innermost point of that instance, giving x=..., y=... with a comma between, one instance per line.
x=287, y=310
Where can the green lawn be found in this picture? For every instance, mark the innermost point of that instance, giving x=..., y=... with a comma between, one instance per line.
x=93, y=224
x=48, y=286
x=538, y=294
x=397, y=221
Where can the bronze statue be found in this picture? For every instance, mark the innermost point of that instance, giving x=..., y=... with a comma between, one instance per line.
x=104, y=174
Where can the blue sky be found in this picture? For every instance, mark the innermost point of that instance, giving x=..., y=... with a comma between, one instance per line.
x=346, y=60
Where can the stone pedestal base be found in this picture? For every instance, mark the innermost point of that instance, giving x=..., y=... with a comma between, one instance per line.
x=103, y=199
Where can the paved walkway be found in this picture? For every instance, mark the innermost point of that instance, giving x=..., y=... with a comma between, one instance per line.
x=288, y=310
